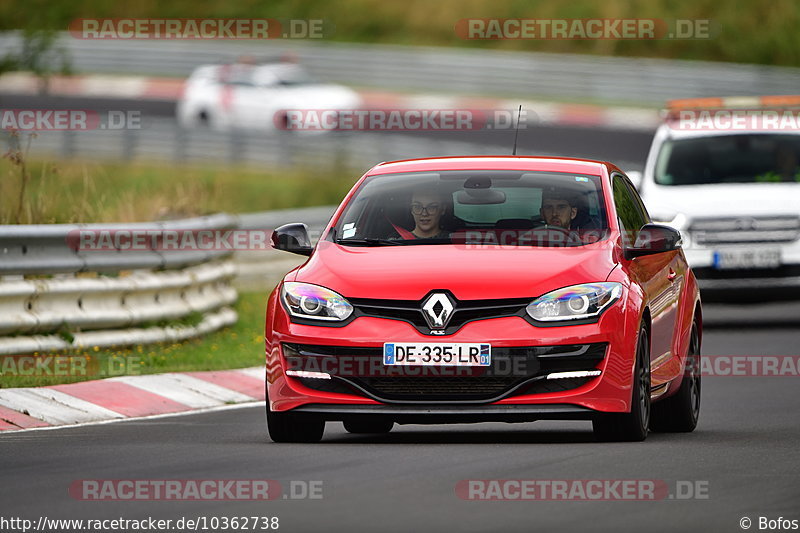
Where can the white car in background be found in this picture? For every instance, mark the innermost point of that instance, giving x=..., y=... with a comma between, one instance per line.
x=733, y=192
x=255, y=97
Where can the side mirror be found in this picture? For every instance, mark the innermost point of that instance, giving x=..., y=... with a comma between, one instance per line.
x=654, y=239
x=292, y=238
x=636, y=178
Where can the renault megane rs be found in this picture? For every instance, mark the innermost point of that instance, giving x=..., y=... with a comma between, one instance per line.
x=475, y=289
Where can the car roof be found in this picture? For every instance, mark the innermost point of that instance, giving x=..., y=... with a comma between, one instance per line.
x=532, y=163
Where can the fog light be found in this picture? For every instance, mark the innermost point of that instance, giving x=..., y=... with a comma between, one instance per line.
x=307, y=374
x=574, y=374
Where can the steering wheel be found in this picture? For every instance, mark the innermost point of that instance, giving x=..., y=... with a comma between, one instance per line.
x=572, y=236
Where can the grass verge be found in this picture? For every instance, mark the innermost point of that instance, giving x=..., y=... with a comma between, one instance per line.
x=84, y=191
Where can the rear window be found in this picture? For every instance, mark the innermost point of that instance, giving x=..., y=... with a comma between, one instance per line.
x=509, y=207
x=744, y=158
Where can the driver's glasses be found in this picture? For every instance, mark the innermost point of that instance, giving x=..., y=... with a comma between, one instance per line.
x=430, y=209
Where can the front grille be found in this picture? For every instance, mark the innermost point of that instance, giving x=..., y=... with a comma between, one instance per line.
x=465, y=310
x=745, y=230
x=514, y=371
x=422, y=387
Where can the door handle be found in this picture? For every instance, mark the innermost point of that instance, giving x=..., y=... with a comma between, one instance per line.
x=672, y=275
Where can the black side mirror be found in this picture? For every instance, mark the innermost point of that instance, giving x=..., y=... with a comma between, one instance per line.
x=292, y=238
x=654, y=239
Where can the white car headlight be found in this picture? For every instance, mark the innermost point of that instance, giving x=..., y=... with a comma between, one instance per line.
x=305, y=300
x=577, y=302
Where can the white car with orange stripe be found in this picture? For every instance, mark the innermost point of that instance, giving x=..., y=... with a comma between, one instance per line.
x=726, y=172
x=255, y=97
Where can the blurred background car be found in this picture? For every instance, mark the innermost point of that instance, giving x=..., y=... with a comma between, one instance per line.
x=250, y=96
x=732, y=186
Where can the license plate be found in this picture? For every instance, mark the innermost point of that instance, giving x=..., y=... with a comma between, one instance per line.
x=437, y=353
x=752, y=258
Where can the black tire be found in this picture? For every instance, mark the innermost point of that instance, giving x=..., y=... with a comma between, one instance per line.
x=378, y=425
x=294, y=427
x=679, y=413
x=633, y=426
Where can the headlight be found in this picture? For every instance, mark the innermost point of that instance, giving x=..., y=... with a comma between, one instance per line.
x=577, y=302
x=305, y=300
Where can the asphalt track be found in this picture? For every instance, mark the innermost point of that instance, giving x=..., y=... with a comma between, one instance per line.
x=627, y=149
x=744, y=452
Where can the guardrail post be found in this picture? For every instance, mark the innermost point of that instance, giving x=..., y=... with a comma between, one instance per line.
x=68, y=149
x=285, y=155
x=181, y=142
x=129, y=139
x=236, y=146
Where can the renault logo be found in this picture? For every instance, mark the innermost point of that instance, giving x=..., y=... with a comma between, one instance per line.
x=438, y=309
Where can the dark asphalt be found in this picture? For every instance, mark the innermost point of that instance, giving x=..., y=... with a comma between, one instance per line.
x=628, y=149
x=745, y=451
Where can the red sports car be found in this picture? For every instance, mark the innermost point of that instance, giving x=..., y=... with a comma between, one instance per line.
x=474, y=289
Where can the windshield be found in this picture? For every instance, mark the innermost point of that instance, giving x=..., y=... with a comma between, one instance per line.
x=280, y=74
x=512, y=208
x=743, y=158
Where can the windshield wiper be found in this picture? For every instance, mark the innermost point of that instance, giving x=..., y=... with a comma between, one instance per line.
x=370, y=242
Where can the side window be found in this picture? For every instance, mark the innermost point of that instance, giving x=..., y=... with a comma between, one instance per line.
x=630, y=213
x=637, y=200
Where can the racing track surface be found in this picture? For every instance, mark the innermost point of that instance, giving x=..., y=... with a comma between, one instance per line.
x=627, y=149
x=745, y=449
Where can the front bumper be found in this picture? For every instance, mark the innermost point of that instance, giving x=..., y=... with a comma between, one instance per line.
x=711, y=277
x=461, y=414
x=512, y=338
x=514, y=371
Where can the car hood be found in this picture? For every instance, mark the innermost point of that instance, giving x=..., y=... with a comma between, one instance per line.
x=412, y=271
x=726, y=200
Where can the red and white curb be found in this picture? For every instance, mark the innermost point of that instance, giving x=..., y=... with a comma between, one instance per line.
x=544, y=112
x=128, y=397
x=95, y=85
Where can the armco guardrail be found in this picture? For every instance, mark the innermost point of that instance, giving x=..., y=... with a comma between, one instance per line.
x=56, y=297
x=451, y=70
x=78, y=306
x=261, y=270
x=43, y=249
x=161, y=139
